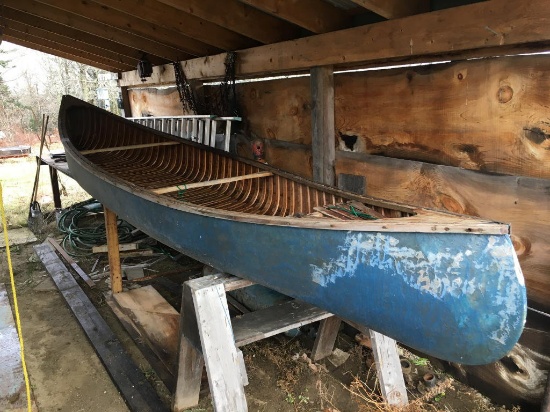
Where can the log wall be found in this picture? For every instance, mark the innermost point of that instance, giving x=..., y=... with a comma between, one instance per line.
x=471, y=137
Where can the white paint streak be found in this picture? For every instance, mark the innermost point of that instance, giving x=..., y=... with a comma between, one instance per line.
x=442, y=274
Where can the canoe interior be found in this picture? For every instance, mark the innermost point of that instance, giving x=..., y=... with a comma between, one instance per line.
x=178, y=165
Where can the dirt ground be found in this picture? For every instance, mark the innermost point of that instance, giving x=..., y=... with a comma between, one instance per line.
x=66, y=374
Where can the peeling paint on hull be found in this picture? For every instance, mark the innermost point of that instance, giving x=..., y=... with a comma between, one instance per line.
x=458, y=297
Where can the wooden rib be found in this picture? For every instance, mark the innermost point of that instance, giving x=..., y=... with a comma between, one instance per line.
x=212, y=182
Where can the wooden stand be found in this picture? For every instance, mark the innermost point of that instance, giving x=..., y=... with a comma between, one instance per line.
x=209, y=338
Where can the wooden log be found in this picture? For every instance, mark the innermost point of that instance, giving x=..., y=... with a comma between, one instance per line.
x=114, y=257
x=523, y=202
x=185, y=186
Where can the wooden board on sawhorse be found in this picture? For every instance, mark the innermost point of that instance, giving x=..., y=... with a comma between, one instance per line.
x=208, y=338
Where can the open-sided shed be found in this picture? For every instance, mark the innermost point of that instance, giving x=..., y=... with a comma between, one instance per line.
x=469, y=132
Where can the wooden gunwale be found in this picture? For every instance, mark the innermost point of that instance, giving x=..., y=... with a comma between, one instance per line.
x=276, y=200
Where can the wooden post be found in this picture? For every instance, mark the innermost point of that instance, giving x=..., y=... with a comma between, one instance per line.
x=112, y=245
x=322, y=118
x=126, y=105
x=326, y=338
x=55, y=188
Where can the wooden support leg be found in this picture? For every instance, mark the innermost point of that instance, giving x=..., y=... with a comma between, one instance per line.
x=205, y=326
x=326, y=338
x=114, y=255
x=218, y=345
x=388, y=367
x=55, y=188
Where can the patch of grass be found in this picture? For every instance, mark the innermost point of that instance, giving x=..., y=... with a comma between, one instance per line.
x=17, y=178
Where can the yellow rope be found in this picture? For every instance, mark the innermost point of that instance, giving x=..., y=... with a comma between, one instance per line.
x=17, y=320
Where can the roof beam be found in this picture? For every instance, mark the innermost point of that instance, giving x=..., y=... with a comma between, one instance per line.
x=235, y=16
x=125, y=53
x=98, y=29
x=174, y=27
x=393, y=9
x=316, y=16
x=58, y=53
x=25, y=29
x=71, y=50
x=484, y=29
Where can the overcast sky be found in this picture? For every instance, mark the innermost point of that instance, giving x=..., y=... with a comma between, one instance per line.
x=21, y=60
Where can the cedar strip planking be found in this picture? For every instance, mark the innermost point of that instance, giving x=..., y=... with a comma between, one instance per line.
x=523, y=202
x=129, y=379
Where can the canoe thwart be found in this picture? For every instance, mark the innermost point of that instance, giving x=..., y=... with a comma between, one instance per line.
x=186, y=186
x=129, y=147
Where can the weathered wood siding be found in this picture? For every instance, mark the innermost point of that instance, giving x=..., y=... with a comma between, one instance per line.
x=155, y=102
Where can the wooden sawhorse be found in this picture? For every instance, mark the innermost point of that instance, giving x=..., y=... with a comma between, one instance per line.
x=209, y=338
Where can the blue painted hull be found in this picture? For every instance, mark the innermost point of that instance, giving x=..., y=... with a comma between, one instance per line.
x=456, y=296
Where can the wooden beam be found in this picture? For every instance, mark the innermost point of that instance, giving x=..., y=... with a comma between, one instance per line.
x=126, y=104
x=236, y=16
x=130, y=24
x=86, y=50
x=83, y=275
x=97, y=28
x=322, y=121
x=316, y=16
x=114, y=254
x=157, y=21
x=393, y=9
x=109, y=46
x=486, y=28
x=58, y=53
x=159, y=15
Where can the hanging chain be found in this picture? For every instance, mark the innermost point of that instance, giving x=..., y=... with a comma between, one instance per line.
x=187, y=97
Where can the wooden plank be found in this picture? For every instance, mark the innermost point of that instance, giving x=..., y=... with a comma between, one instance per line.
x=83, y=275
x=388, y=368
x=166, y=375
x=488, y=115
x=218, y=344
x=190, y=358
x=121, y=248
x=13, y=396
x=271, y=321
x=19, y=236
x=185, y=186
x=130, y=381
x=115, y=270
x=486, y=28
x=392, y=9
x=523, y=202
x=322, y=120
x=130, y=147
x=326, y=338
x=325, y=18
x=155, y=319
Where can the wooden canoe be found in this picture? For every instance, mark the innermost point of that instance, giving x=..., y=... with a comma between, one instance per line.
x=447, y=285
